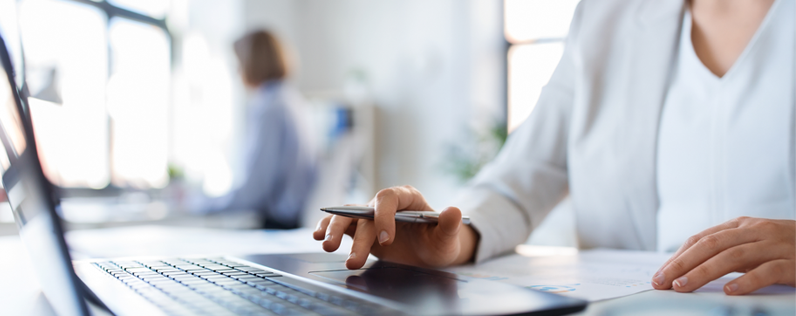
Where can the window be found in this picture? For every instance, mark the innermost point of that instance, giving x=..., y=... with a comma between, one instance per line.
x=137, y=104
x=535, y=30
x=99, y=79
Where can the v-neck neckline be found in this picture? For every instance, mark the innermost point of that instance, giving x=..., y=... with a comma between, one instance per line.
x=688, y=25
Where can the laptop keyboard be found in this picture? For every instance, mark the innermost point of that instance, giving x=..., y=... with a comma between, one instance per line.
x=218, y=286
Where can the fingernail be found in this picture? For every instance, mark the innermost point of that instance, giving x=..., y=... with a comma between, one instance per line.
x=352, y=255
x=732, y=287
x=328, y=237
x=658, y=279
x=681, y=282
x=383, y=237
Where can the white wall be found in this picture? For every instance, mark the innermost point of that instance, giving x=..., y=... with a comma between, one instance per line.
x=435, y=68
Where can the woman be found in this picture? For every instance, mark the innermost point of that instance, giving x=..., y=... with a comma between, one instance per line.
x=664, y=119
x=280, y=162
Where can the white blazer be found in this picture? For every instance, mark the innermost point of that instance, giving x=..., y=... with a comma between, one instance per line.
x=592, y=135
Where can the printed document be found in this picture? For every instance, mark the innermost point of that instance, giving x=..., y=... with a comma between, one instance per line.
x=591, y=275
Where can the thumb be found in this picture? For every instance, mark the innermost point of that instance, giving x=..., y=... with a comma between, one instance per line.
x=447, y=229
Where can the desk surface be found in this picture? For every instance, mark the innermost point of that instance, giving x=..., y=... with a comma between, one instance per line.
x=20, y=292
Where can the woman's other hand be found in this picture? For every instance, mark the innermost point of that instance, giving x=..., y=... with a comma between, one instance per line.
x=764, y=249
x=448, y=242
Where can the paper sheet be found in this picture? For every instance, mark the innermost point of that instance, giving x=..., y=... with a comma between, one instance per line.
x=591, y=275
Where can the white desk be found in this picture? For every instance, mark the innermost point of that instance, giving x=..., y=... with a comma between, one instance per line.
x=20, y=292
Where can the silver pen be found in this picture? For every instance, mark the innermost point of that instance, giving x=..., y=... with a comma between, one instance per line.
x=367, y=212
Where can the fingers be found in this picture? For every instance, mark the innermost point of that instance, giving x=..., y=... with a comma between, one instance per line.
x=699, y=252
x=364, y=238
x=447, y=229
x=733, y=223
x=334, y=233
x=386, y=204
x=657, y=279
x=735, y=258
x=391, y=200
x=777, y=271
x=320, y=229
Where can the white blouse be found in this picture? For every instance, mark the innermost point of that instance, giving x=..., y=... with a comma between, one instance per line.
x=724, y=147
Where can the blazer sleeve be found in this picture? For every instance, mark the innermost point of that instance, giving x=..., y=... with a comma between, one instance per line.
x=513, y=194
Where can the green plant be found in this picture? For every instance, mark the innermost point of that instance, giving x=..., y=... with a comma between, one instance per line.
x=463, y=161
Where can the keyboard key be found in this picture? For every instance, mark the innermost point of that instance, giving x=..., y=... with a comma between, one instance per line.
x=227, y=282
x=351, y=305
x=265, y=288
x=159, y=281
x=249, y=279
x=305, y=303
x=281, y=294
x=323, y=296
x=251, y=269
x=178, y=274
x=184, y=266
x=304, y=291
x=292, y=298
x=267, y=275
x=277, y=307
x=193, y=281
x=106, y=265
x=201, y=272
x=336, y=300
x=127, y=264
x=136, y=269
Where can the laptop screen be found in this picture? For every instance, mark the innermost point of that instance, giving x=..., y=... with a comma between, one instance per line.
x=32, y=200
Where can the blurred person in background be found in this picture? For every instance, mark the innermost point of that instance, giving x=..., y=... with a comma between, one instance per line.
x=670, y=124
x=279, y=155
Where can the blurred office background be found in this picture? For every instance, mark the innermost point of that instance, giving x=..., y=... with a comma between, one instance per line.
x=138, y=103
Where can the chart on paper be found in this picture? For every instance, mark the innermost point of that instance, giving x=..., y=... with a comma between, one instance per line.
x=591, y=275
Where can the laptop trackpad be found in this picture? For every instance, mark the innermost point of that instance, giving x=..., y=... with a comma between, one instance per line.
x=406, y=285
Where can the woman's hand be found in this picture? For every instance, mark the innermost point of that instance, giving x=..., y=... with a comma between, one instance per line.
x=764, y=249
x=449, y=242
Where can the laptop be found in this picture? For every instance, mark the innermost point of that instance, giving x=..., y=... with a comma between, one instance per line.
x=283, y=284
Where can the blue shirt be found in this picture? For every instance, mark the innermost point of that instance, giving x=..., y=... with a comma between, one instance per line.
x=279, y=158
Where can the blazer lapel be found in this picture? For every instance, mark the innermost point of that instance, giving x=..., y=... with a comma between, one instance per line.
x=654, y=52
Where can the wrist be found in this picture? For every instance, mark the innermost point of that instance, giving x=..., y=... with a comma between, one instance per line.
x=468, y=240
